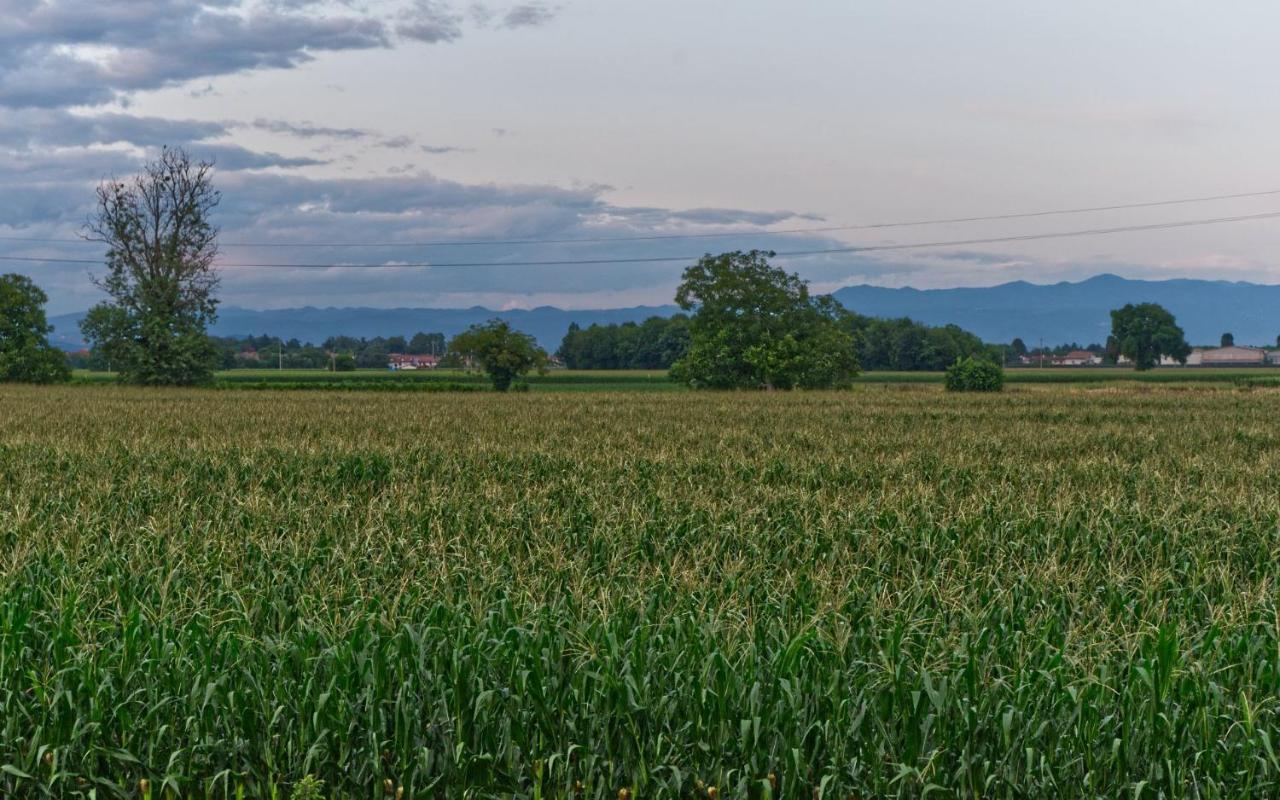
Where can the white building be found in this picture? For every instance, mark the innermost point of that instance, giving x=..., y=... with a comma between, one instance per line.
x=1193, y=360
x=1234, y=357
x=1080, y=358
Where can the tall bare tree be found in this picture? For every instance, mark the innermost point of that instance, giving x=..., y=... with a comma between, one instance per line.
x=161, y=246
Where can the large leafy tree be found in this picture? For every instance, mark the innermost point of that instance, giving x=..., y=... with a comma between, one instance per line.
x=503, y=352
x=25, y=353
x=1145, y=333
x=161, y=245
x=756, y=326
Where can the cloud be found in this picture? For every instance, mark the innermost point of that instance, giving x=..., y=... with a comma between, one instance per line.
x=60, y=53
x=388, y=218
x=732, y=216
x=528, y=15
x=407, y=142
x=431, y=22
x=27, y=128
x=522, y=15
x=306, y=130
x=234, y=157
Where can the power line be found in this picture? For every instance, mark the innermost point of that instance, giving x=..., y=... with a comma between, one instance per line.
x=670, y=259
x=719, y=235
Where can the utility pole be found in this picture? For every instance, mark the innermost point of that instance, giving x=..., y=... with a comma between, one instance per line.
x=280, y=350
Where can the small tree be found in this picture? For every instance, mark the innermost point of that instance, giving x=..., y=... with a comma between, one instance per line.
x=755, y=326
x=1145, y=333
x=25, y=353
x=974, y=375
x=1228, y=340
x=161, y=246
x=503, y=352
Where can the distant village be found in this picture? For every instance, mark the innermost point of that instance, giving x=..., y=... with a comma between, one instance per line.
x=1231, y=356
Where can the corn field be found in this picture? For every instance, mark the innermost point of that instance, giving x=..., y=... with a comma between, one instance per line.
x=1057, y=591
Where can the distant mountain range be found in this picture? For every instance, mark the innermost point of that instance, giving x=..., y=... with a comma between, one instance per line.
x=1055, y=313
x=308, y=324
x=1081, y=312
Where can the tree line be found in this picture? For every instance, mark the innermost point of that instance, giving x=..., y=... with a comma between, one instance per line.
x=881, y=344
x=656, y=343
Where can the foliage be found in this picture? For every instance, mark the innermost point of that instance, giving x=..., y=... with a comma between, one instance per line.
x=974, y=375
x=1145, y=333
x=161, y=245
x=308, y=788
x=905, y=345
x=423, y=344
x=755, y=326
x=1056, y=592
x=504, y=353
x=656, y=343
x=25, y=353
x=1228, y=340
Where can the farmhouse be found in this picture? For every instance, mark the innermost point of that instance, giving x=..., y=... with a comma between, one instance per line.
x=1079, y=358
x=404, y=361
x=1233, y=357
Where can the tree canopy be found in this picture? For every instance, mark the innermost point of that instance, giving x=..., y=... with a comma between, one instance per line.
x=904, y=344
x=25, y=353
x=503, y=352
x=656, y=343
x=161, y=245
x=754, y=325
x=1145, y=333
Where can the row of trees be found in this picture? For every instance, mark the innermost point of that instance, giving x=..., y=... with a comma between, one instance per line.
x=882, y=344
x=270, y=351
x=904, y=344
x=656, y=343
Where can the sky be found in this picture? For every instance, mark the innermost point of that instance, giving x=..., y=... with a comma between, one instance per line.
x=390, y=123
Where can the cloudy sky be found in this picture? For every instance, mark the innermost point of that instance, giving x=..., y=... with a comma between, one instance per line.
x=410, y=121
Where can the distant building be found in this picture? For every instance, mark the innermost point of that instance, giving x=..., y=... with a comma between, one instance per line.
x=1193, y=360
x=1273, y=357
x=403, y=361
x=1079, y=358
x=1233, y=357
x=248, y=354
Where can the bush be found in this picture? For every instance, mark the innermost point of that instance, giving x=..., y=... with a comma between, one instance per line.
x=975, y=375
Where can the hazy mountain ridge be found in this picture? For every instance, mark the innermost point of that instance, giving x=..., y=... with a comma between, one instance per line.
x=1056, y=313
x=1080, y=312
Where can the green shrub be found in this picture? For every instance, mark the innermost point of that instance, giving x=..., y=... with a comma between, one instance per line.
x=975, y=375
